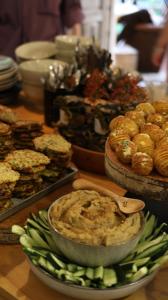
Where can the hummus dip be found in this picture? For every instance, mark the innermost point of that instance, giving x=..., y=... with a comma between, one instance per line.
x=90, y=218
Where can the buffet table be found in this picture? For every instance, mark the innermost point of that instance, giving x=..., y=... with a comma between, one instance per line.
x=17, y=280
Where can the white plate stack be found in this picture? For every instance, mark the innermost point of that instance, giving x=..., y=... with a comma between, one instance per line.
x=8, y=73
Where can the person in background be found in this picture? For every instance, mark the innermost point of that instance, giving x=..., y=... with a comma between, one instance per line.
x=23, y=21
x=160, y=47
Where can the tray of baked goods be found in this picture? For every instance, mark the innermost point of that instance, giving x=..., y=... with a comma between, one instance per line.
x=32, y=163
x=10, y=206
x=136, y=154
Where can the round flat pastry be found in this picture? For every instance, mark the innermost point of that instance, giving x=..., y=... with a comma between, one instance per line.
x=26, y=159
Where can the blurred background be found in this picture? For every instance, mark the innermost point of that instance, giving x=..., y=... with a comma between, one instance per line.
x=105, y=20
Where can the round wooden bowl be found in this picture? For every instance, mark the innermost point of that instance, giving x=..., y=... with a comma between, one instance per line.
x=153, y=186
x=88, y=160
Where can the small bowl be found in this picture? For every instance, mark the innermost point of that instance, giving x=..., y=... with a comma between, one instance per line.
x=35, y=50
x=92, y=255
x=33, y=71
x=89, y=160
x=69, y=42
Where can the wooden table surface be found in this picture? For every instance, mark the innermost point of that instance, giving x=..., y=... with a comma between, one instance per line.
x=17, y=280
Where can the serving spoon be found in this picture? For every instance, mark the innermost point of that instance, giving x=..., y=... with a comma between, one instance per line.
x=126, y=205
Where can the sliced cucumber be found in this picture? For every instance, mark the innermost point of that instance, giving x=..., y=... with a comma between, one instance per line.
x=139, y=274
x=44, y=216
x=71, y=267
x=151, y=251
x=56, y=261
x=98, y=272
x=45, y=264
x=18, y=230
x=26, y=241
x=109, y=277
x=38, y=239
x=138, y=262
x=145, y=245
x=149, y=227
x=89, y=273
x=35, y=252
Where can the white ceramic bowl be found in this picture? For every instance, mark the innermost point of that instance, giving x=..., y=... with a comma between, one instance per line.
x=35, y=50
x=33, y=71
x=80, y=292
x=69, y=42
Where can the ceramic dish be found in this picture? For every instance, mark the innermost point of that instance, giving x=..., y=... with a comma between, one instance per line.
x=88, y=160
x=35, y=50
x=8, y=75
x=7, y=86
x=69, y=42
x=80, y=292
x=5, y=62
x=34, y=70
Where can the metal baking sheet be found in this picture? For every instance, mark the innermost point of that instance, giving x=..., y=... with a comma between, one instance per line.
x=19, y=204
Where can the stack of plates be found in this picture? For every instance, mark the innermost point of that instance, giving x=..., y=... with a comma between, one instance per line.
x=8, y=73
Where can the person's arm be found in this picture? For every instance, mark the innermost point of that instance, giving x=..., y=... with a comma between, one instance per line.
x=72, y=15
x=76, y=29
x=161, y=46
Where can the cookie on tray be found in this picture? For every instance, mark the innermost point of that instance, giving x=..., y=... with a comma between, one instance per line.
x=26, y=160
x=58, y=150
x=30, y=164
x=7, y=115
x=8, y=179
x=24, y=131
x=6, y=141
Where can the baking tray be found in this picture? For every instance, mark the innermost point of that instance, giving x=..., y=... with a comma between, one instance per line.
x=19, y=204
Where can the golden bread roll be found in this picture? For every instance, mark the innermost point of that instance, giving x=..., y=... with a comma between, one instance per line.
x=144, y=143
x=115, y=122
x=165, y=128
x=125, y=150
x=157, y=119
x=165, y=115
x=142, y=163
x=146, y=107
x=161, y=160
x=136, y=116
x=161, y=106
x=163, y=141
x=116, y=136
x=125, y=123
x=154, y=131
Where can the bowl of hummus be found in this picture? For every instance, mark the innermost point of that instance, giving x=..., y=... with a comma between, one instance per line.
x=89, y=229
